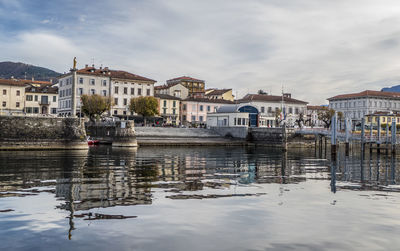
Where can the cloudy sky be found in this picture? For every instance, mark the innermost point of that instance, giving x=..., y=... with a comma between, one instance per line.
x=314, y=48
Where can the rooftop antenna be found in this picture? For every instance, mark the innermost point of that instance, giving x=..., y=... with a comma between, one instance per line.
x=25, y=75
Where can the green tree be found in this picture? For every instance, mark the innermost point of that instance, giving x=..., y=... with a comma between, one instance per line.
x=95, y=105
x=326, y=116
x=145, y=106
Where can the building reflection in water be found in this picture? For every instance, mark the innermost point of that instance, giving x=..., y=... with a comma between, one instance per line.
x=107, y=177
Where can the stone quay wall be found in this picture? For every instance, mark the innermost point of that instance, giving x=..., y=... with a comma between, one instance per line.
x=117, y=133
x=233, y=132
x=32, y=133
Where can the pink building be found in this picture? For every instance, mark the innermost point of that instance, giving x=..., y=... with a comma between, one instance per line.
x=194, y=110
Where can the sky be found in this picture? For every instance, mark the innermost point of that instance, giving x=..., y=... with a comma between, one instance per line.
x=313, y=49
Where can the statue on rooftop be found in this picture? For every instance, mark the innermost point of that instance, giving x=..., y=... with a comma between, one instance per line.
x=74, y=63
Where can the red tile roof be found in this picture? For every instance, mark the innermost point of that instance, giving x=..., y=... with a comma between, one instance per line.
x=206, y=100
x=218, y=92
x=166, y=96
x=185, y=78
x=112, y=73
x=316, y=107
x=22, y=82
x=367, y=93
x=269, y=98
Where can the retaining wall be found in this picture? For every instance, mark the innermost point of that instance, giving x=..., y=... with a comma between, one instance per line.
x=234, y=132
x=118, y=133
x=21, y=132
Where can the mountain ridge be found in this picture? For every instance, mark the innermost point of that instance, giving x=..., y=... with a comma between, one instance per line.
x=21, y=70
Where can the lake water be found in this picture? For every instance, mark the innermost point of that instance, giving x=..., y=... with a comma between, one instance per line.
x=200, y=198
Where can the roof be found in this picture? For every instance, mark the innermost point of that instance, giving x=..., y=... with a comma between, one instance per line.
x=161, y=87
x=269, y=98
x=367, y=93
x=111, y=73
x=206, y=100
x=43, y=88
x=385, y=113
x=185, y=78
x=218, y=92
x=21, y=82
x=166, y=96
x=316, y=107
x=227, y=109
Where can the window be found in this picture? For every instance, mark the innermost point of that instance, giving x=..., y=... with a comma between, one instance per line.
x=290, y=110
x=80, y=80
x=67, y=81
x=80, y=91
x=201, y=108
x=4, y=103
x=116, y=101
x=139, y=92
x=92, y=91
x=18, y=92
x=193, y=117
x=184, y=107
x=115, y=112
x=174, y=103
x=148, y=92
x=104, y=93
x=263, y=109
x=296, y=110
x=29, y=98
x=383, y=119
x=269, y=109
x=132, y=91
x=4, y=92
x=35, y=109
x=201, y=118
x=104, y=82
x=165, y=103
x=116, y=89
x=125, y=101
x=53, y=110
x=28, y=109
x=208, y=108
x=54, y=99
x=234, y=121
x=92, y=81
x=36, y=97
x=184, y=117
x=164, y=110
x=125, y=90
x=124, y=112
x=17, y=104
x=173, y=111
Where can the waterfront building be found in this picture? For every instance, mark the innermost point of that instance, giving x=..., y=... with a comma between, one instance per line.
x=175, y=89
x=194, y=86
x=272, y=110
x=41, y=98
x=383, y=118
x=225, y=94
x=12, y=96
x=169, y=107
x=195, y=110
x=227, y=116
x=119, y=86
x=357, y=105
x=311, y=118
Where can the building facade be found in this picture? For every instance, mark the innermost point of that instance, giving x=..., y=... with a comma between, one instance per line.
x=169, y=108
x=225, y=94
x=263, y=107
x=12, y=96
x=196, y=87
x=312, y=119
x=357, y=105
x=194, y=110
x=41, y=99
x=119, y=86
x=176, y=90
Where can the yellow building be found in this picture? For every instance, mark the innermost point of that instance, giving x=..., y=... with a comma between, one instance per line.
x=12, y=96
x=195, y=86
x=169, y=108
x=383, y=117
x=41, y=98
x=225, y=94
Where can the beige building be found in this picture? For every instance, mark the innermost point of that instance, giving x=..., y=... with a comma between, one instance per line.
x=225, y=94
x=175, y=89
x=194, y=86
x=120, y=86
x=169, y=108
x=12, y=94
x=41, y=98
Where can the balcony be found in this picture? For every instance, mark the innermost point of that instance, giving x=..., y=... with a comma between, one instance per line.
x=44, y=102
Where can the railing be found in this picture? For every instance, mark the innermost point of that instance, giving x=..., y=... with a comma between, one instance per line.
x=44, y=102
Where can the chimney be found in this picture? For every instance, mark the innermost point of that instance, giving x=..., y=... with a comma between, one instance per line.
x=106, y=68
x=93, y=65
x=33, y=79
x=287, y=95
x=86, y=65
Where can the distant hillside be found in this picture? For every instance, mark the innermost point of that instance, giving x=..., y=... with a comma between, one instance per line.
x=21, y=70
x=395, y=88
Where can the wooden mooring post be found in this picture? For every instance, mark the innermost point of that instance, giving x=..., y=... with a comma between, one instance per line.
x=347, y=130
x=370, y=136
x=334, y=136
x=378, y=140
x=387, y=138
x=393, y=131
x=362, y=134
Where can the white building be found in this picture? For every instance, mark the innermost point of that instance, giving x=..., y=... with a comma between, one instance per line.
x=227, y=116
x=41, y=98
x=356, y=105
x=175, y=89
x=121, y=86
x=265, y=110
